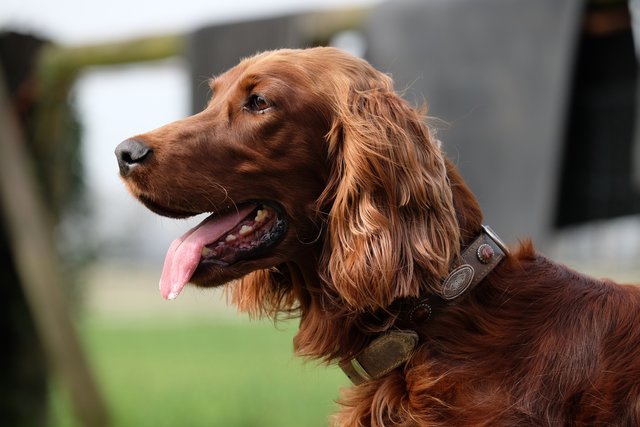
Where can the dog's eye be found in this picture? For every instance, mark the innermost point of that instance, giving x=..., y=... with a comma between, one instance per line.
x=257, y=104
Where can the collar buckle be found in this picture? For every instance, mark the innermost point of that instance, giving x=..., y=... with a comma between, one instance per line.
x=383, y=355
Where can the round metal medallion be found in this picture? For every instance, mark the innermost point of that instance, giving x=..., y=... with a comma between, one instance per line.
x=457, y=282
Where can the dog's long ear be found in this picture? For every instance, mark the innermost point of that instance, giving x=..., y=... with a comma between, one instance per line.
x=392, y=229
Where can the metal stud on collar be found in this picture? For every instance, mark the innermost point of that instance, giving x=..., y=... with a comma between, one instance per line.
x=485, y=253
x=420, y=313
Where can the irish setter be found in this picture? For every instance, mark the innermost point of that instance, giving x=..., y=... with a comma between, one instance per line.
x=331, y=200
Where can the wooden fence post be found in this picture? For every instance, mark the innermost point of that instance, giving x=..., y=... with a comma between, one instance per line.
x=30, y=234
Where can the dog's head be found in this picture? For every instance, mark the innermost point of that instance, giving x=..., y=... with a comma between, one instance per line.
x=318, y=178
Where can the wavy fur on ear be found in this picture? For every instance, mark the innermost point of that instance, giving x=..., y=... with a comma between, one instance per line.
x=392, y=227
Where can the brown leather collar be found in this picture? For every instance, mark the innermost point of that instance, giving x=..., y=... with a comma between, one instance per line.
x=391, y=350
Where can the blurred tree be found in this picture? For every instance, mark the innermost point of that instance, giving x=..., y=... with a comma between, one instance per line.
x=39, y=79
x=23, y=386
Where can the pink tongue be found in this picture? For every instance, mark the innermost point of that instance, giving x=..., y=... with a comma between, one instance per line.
x=184, y=253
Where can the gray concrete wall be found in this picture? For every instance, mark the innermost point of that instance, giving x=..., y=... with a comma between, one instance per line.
x=497, y=72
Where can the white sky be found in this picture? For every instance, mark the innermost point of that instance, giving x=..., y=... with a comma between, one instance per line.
x=86, y=21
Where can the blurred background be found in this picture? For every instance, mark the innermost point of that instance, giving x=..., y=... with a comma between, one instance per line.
x=534, y=100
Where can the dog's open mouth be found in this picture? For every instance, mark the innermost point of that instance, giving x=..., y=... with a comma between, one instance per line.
x=222, y=239
x=255, y=233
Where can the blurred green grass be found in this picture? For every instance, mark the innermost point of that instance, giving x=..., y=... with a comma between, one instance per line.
x=197, y=373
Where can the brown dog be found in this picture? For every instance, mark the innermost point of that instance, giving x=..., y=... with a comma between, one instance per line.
x=331, y=201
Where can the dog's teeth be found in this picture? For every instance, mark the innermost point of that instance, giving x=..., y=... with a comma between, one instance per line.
x=206, y=252
x=245, y=229
x=260, y=216
x=230, y=238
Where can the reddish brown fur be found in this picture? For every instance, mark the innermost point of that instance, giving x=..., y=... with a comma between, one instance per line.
x=377, y=215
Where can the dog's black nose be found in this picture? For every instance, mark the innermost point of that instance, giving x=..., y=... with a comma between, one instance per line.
x=130, y=153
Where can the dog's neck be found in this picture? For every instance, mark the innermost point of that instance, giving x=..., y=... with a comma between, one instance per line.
x=331, y=330
x=394, y=348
